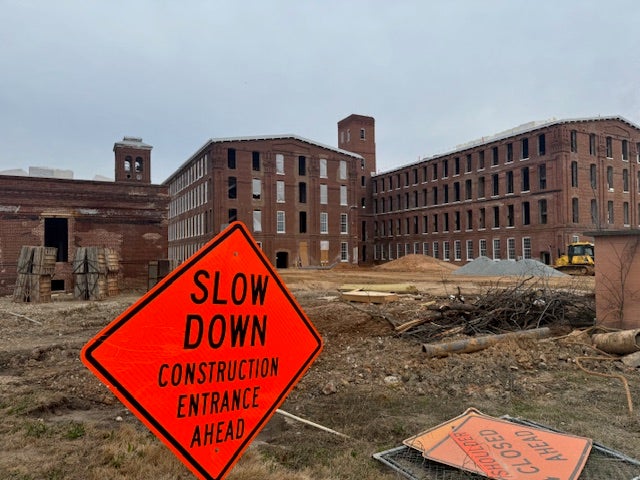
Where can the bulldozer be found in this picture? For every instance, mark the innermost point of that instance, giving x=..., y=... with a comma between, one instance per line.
x=579, y=259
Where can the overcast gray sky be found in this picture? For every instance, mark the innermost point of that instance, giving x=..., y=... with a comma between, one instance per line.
x=78, y=75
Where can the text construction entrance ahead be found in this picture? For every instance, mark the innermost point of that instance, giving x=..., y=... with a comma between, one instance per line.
x=206, y=357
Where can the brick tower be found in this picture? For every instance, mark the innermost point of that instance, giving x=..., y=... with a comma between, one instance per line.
x=133, y=160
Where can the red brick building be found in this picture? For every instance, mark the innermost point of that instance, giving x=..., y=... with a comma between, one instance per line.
x=524, y=193
x=304, y=202
x=128, y=215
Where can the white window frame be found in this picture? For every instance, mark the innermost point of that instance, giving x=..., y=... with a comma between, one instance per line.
x=496, y=249
x=344, y=251
x=343, y=195
x=511, y=248
x=280, y=222
x=280, y=191
x=482, y=247
x=446, y=251
x=324, y=222
x=256, y=188
x=344, y=223
x=323, y=168
x=457, y=250
x=526, y=247
x=257, y=221
x=279, y=164
x=324, y=194
x=469, y=245
x=343, y=170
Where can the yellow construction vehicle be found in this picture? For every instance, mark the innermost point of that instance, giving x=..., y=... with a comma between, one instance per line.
x=579, y=259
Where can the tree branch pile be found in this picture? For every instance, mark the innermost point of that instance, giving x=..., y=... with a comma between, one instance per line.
x=523, y=306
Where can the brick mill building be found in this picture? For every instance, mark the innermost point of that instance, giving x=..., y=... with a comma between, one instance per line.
x=305, y=203
x=524, y=193
x=128, y=216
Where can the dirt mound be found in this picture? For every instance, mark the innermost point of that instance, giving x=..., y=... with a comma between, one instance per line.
x=417, y=263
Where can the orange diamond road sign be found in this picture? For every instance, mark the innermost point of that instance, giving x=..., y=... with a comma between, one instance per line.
x=206, y=357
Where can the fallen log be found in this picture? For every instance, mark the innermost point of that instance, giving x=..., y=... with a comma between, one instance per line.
x=621, y=343
x=386, y=287
x=475, y=344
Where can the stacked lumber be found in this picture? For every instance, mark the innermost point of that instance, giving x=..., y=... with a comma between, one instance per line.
x=36, y=266
x=95, y=271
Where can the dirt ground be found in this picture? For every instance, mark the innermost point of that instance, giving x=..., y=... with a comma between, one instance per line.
x=370, y=383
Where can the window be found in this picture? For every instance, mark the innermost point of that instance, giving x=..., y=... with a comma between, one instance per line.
x=482, y=248
x=436, y=250
x=445, y=218
x=638, y=152
x=468, y=190
x=610, y=178
x=324, y=222
x=610, y=212
x=509, y=152
x=279, y=164
x=344, y=251
x=343, y=169
x=256, y=187
x=469, y=219
x=468, y=164
x=302, y=221
x=609, y=147
x=469, y=244
x=362, y=134
x=435, y=195
x=526, y=213
x=457, y=250
x=542, y=145
x=524, y=173
x=302, y=192
x=593, y=176
x=625, y=150
x=324, y=194
x=509, y=179
x=594, y=211
x=542, y=176
x=524, y=149
x=480, y=187
x=496, y=249
x=434, y=172
x=302, y=165
x=323, y=168
x=511, y=248
x=494, y=156
x=138, y=164
x=481, y=160
x=415, y=176
x=435, y=222
x=56, y=234
x=232, y=215
x=526, y=247
x=257, y=221
x=592, y=144
x=625, y=180
x=255, y=161
x=425, y=248
x=344, y=223
x=280, y=224
x=445, y=168
x=482, y=218
x=456, y=166
x=456, y=191
x=625, y=213
x=496, y=217
x=280, y=191
x=510, y=216
x=574, y=141
x=127, y=164
x=495, y=186
x=445, y=251
x=343, y=195
x=232, y=189
x=425, y=224
x=574, y=174
x=231, y=158
x=542, y=211
x=575, y=217
x=456, y=221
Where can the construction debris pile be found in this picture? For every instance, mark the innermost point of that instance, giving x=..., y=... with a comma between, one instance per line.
x=95, y=271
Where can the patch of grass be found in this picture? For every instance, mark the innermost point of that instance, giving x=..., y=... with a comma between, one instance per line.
x=74, y=431
x=36, y=429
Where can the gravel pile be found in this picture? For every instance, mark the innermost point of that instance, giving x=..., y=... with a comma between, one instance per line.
x=484, y=266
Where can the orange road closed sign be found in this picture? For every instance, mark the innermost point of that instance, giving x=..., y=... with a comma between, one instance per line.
x=206, y=357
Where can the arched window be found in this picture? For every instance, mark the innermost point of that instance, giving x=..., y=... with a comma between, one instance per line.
x=138, y=164
x=127, y=163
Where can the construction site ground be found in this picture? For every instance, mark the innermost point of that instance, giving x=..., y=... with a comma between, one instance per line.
x=57, y=421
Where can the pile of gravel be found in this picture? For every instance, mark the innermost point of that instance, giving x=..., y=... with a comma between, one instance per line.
x=484, y=266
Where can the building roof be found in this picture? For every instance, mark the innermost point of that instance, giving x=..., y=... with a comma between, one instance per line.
x=512, y=132
x=287, y=136
x=135, y=142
